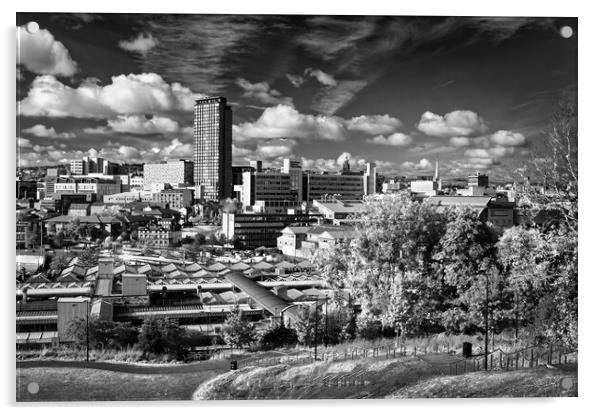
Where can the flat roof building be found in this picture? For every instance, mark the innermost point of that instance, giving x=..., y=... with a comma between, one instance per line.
x=174, y=172
x=213, y=148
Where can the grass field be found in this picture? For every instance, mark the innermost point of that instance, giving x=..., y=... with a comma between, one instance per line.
x=114, y=382
x=538, y=382
x=408, y=377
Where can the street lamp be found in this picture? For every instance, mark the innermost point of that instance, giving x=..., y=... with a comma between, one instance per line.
x=486, y=316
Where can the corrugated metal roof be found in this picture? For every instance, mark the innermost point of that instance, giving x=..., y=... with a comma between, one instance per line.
x=264, y=297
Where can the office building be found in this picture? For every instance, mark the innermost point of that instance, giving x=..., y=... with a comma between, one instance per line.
x=88, y=185
x=174, y=172
x=213, y=148
x=370, y=179
x=341, y=186
x=175, y=198
x=251, y=231
x=294, y=169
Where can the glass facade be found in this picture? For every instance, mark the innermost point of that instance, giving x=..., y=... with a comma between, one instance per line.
x=213, y=148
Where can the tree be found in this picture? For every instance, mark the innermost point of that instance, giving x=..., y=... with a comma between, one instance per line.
x=88, y=257
x=388, y=264
x=523, y=255
x=58, y=264
x=161, y=336
x=238, y=332
x=101, y=334
x=278, y=336
x=466, y=260
x=555, y=164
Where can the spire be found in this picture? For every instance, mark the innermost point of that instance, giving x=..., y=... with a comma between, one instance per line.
x=436, y=170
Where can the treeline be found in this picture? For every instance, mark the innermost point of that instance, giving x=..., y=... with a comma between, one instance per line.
x=155, y=337
x=418, y=269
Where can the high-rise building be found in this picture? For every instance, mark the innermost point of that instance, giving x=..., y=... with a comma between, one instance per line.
x=213, y=148
x=294, y=169
x=370, y=179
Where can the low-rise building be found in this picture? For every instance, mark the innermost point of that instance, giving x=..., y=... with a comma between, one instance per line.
x=79, y=209
x=175, y=198
x=159, y=237
x=256, y=230
x=336, y=211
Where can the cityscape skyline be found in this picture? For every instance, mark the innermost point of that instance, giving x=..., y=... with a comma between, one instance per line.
x=359, y=88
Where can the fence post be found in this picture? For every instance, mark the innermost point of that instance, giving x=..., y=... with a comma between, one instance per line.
x=516, y=365
x=531, y=361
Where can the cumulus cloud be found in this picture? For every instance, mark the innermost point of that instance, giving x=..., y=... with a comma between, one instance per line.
x=137, y=124
x=296, y=80
x=126, y=94
x=262, y=92
x=129, y=152
x=423, y=164
x=40, y=130
x=321, y=76
x=495, y=152
x=374, y=124
x=41, y=53
x=455, y=123
x=508, y=138
x=459, y=141
x=23, y=142
x=395, y=139
x=275, y=148
x=284, y=121
x=140, y=44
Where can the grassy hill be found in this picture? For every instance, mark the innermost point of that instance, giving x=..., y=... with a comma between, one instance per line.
x=74, y=381
x=408, y=377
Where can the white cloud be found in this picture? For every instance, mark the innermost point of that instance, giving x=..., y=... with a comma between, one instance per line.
x=129, y=152
x=137, y=124
x=126, y=94
x=296, y=80
x=329, y=100
x=40, y=53
x=455, y=123
x=275, y=148
x=374, y=124
x=140, y=44
x=459, y=141
x=284, y=121
x=423, y=164
x=23, y=142
x=395, y=139
x=321, y=76
x=262, y=92
x=40, y=130
x=508, y=138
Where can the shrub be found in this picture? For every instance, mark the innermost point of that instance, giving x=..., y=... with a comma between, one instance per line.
x=238, y=332
x=278, y=336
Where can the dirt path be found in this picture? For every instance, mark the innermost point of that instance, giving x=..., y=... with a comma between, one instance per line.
x=128, y=367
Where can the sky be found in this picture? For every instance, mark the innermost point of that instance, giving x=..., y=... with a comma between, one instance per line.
x=474, y=93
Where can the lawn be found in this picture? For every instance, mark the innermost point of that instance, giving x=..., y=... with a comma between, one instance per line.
x=114, y=382
x=406, y=377
x=537, y=382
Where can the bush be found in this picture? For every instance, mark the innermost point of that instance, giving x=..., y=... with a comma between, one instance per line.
x=161, y=336
x=278, y=336
x=238, y=332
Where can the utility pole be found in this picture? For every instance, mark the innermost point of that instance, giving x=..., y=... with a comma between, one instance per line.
x=486, y=316
x=326, y=323
x=87, y=330
x=316, y=333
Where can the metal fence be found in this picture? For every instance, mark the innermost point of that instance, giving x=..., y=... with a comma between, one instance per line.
x=497, y=359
